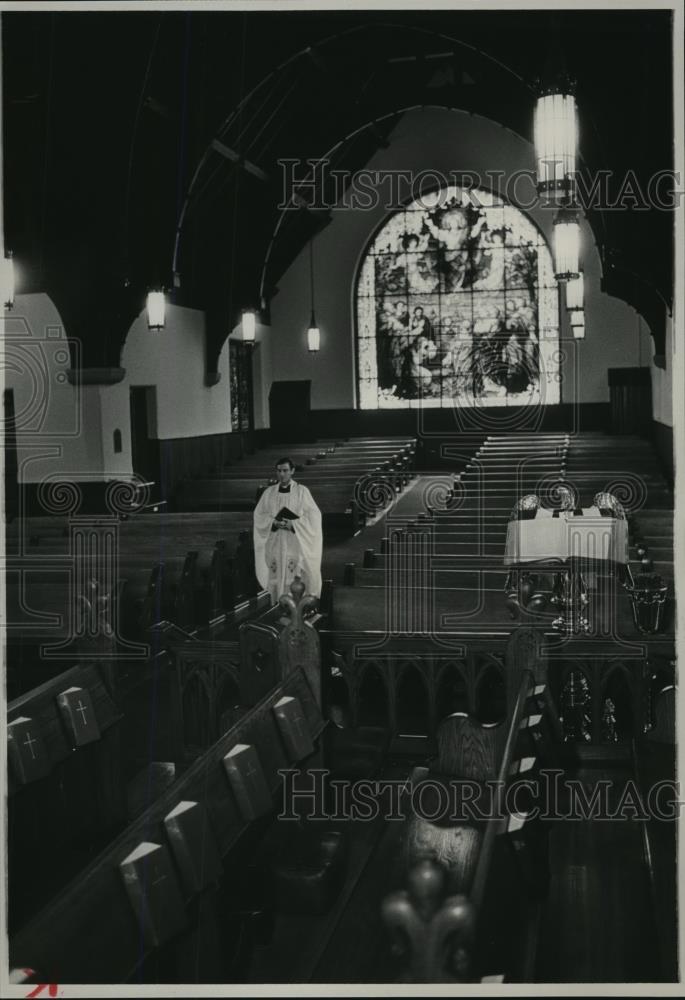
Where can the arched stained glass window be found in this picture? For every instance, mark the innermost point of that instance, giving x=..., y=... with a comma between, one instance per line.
x=457, y=305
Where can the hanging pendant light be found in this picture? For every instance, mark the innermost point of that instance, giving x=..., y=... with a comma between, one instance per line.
x=313, y=332
x=249, y=326
x=156, y=310
x=575, y=292
x=313, y=336
x=555, y=129
x=7, y=280
x=567, y=243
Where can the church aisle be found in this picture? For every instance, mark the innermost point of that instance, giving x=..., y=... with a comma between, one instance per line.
x=301, y=942
x=337, y=553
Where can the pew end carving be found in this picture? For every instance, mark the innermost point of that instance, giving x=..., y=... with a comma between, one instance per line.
x=469, y=841
x=430, y=930
x=299, y=646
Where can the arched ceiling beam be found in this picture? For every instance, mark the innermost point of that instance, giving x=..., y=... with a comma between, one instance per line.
x=233, y=157
x=313, y=55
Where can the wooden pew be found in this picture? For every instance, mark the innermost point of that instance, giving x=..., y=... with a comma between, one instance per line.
x=341, y=479
x=208, y=495
x=40, y=607
x=197, y=585
x=66, y=782
x=33, y=531
x=68, y=938
x=474, y=882
x=654, y=755
x=335, y=500
x=169, y=708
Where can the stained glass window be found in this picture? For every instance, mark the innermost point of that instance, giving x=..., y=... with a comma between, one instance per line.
x=240, y=365
x=457, y=305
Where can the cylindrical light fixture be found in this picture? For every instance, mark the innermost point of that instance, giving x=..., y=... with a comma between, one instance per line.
x=8, y=280
x=249, y=325
x=313, y=336
x=555, y=129
x=156, y=310
x=575, y=293
x=578, y=324
x=313, y=332
x=567, y=243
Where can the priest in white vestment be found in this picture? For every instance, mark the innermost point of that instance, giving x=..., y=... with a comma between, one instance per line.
x=287, y=546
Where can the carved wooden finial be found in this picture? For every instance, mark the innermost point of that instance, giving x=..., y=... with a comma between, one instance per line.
x=433, y=931
x=297, y=603
x=299, y=641
x=426, y=882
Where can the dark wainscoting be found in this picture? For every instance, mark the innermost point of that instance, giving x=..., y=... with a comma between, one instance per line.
x=662, y=435
x=194, y=457
x=179, y=458
x=630, y=394
x=490, y=420
x=434, y=428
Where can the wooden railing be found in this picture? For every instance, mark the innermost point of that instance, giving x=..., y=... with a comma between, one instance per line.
x=448, y=924
x=603, y=700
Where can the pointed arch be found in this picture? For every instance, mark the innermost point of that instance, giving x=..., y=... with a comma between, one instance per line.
x=412, y=702
x=372, y=697
x=491, y=695
x=452, y=692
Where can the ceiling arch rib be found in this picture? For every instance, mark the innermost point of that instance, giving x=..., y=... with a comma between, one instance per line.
x=357, y=82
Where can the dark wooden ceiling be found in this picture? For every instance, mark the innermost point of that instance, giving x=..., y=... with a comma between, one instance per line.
x=108, y=117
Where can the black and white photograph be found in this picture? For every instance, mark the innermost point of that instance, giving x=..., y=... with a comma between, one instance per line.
x=342, y=538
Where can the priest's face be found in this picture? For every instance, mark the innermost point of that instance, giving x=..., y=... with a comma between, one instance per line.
x=284, y=473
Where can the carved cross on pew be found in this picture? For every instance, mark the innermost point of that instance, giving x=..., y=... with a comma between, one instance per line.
x=29, y=742
x=293, y=728
x=298, y=722
x=252, y=773
x=27, y=753
x=160, y=878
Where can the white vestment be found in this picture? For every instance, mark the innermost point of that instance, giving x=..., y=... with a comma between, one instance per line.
x=281, y=555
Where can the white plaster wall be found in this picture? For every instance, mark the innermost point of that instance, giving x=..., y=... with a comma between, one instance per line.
x=68, y=430
x=173, y=360
x=57, y=424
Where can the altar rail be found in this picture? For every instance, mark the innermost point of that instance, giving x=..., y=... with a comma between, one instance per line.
x=602, y=700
